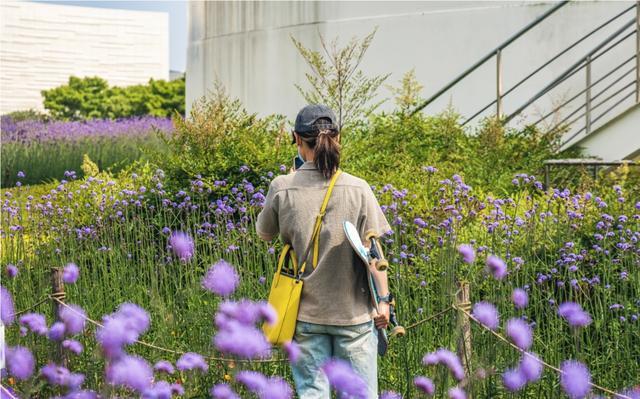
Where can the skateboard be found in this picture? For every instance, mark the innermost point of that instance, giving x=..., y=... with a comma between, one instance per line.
x=367, y=255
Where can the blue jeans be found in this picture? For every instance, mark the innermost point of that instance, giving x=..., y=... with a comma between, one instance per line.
x=318, y=343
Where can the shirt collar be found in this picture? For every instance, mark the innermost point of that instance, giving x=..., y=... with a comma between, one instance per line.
x=309, y=165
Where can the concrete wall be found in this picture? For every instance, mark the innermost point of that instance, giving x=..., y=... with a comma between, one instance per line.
x=247, y=46
x=41, y=45
x=623, y=129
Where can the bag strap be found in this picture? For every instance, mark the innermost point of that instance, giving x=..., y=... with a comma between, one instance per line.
x=315, y=236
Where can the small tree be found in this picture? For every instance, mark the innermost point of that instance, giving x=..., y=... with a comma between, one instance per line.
x=337, y=81
x=407, y=95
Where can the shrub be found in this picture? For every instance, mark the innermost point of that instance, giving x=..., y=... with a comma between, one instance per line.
x=221, y=140
x=92, y=97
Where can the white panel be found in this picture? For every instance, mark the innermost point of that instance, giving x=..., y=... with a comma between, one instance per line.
x=247, y=45
x=41, y=45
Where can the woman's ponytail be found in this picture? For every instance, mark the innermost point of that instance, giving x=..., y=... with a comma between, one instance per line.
x=326, y=153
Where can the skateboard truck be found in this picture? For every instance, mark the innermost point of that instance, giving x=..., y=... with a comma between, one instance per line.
x=374, y=253
x=396, y=329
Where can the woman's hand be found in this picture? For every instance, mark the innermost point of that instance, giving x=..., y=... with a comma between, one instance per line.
x=382, y=319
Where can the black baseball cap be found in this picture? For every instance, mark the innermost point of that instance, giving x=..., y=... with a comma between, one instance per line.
x=310, y=114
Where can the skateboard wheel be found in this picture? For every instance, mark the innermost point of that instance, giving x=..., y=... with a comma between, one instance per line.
x=382, y=265
x=398, y=331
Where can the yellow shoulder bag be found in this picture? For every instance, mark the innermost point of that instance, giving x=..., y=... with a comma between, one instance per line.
x=286, y=287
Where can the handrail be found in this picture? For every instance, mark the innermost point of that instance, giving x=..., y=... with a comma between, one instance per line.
x=571, y=70
x=490, y=55
x=541, y=67
x=556, y=109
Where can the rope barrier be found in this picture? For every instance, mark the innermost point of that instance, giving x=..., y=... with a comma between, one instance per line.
x=464, y=307
x=433, y=316
x=7, y=392
x=40, y=302
x=160, y=348
x=547, y=365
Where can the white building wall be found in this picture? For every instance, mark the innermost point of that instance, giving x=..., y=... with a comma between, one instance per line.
x=247, y=46
x=41, y=45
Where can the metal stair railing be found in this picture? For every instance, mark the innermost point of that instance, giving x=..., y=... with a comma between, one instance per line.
x=630, y=28
x=496, y=52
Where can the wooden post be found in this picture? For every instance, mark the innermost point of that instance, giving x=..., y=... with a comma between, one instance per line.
x=57, y=286
x=464, y=326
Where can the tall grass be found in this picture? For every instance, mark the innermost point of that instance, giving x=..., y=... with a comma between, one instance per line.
x=45, y=150
x=558, y=245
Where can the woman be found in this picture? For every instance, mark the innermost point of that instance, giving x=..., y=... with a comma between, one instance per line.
x=336, y=318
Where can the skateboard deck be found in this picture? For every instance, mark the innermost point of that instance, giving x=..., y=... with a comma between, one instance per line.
x=356, y=243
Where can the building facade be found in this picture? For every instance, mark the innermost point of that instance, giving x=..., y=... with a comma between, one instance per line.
x=41, y=45
x=247, y=46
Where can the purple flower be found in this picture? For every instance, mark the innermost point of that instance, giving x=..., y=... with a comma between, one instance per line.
x=448, y=358
x=486, y=314
x=70, y=273
x=241, y=340
x=12, y=270
x=59, y=375
x=425, y=385
x=496, y=267
x=182, y=245
x=633, y=393
x=575, y=379
x=390, y=395
x=457, y=393
x=7, y=310
x=191, y=361
x=344, y=380
x=520, y=333
x=73, y=346
x=20, y=362
x=163, y=366
x=130, y=371
x=253, y=380
x=467, y=252
x=276, y=388
x=223, y=391
x=56, y=332
x=82, y=394
x=530, y=366
x=573, y=313
x=159, y=390
x=74, y=318
x=137, y=318
x=122, y=328
x=520, y=298
x=292, y=350
x=221, y=279
x=34, y=322
x=513, y=380
x=245, y=312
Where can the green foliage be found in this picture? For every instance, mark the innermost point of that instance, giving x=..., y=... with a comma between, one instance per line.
x=89, y=168
x=220, y=137
x=488, y=159
x=407, y=95
x=92, y=97
x=336, y=80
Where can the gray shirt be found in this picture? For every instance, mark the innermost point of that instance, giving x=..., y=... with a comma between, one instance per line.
x=336, y=292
